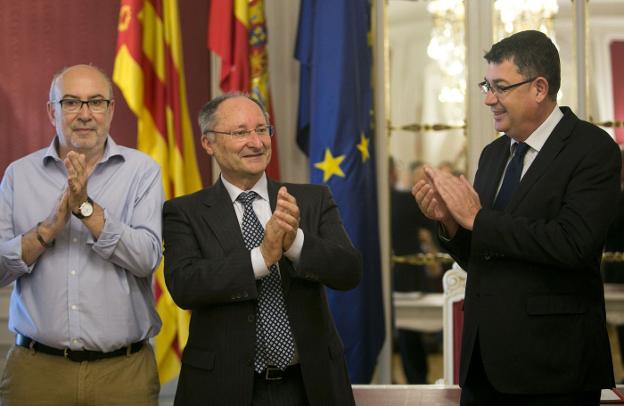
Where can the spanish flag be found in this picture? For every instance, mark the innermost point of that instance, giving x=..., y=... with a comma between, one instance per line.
x=237, y=33
x=149, y=70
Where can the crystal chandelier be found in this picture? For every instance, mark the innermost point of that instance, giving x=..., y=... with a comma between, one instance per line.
x=447, y=47
x=517, y=15
x=447, y=35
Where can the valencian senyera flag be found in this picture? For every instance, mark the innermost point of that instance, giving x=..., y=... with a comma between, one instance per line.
x=335, y=129
x=237, y=33
x=149, y=70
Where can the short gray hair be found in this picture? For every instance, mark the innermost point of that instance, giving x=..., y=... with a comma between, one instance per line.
x=207, y=116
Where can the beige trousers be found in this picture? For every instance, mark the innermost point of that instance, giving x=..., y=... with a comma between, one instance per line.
x=32, y=378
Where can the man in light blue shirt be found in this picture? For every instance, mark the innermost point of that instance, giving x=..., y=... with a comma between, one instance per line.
x=80, y=235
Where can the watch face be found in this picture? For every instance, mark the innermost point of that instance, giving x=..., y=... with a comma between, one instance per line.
x=86, y=209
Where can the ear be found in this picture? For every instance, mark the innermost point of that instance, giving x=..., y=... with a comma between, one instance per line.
x=111, y=108
x=51, y=113
x=207, y=145
x=541, y=85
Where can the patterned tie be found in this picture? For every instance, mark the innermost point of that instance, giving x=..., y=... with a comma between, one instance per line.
x=512, y=176
x=275, y=344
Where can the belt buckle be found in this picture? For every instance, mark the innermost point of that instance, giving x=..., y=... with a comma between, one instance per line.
x=273, y=374
x=75, y=356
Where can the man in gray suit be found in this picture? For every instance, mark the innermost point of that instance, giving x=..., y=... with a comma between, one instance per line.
x=251, y=258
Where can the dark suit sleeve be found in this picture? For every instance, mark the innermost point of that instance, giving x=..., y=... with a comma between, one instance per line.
x=327, y=255
x=564, y=221
x=458, y=247
x=197, y=271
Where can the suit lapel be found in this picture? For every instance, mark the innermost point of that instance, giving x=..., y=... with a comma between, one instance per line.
x=492, y=171
x=221, y=217
x=272, y=188
x=552, y=147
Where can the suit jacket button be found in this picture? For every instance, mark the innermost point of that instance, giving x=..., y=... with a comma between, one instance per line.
x=250, y=361
x=251, y=318
x=245, y=294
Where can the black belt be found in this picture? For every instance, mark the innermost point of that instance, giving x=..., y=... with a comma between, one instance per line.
x=76, y=356
x=271, y=373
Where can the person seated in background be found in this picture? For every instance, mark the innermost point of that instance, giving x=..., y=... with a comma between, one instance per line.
x=80, y=236
x=412, y=233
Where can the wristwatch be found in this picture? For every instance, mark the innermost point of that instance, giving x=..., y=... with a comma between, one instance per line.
x=85, y=210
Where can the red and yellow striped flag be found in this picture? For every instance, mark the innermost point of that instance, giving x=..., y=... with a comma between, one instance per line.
x=149, y=70
x=237, y=33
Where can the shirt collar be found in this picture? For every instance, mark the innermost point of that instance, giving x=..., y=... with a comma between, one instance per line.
x=111, y=149
x=539, y=137
x=261, y=188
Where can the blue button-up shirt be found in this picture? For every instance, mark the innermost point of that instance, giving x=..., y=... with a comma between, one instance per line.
x=82, y=293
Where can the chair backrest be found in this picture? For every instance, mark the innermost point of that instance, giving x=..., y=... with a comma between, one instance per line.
x=454, y=283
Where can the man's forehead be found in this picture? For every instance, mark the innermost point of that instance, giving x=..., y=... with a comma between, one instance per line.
x=237, y=108
x=239, y=102
x=78, y=80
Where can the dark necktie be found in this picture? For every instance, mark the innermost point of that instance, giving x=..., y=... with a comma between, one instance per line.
x=275, y=344
x=512, y=176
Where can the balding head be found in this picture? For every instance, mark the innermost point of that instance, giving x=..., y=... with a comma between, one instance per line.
x=58, y=77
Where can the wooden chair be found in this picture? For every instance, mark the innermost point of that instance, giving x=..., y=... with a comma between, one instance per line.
x=454, y=284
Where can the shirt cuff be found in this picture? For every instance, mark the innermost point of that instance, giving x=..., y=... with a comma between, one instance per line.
x=257, y=262
x=109, y=237
x=294, y=252
x=442, y=235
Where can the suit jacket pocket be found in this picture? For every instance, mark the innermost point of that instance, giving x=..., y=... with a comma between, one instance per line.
x=198, y=358
x=556, y=304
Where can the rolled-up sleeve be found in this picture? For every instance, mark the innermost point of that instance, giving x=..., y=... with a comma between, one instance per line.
x=11, y=264
x=136, y=244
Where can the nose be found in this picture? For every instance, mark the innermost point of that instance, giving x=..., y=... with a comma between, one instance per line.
x=85, y=112
x=490, y=98
x=254, y=140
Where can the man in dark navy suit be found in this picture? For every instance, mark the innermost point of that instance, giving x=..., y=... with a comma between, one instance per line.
x=530, y=235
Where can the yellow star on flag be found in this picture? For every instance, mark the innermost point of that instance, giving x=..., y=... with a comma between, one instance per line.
x=363, y=147
x=330, y=165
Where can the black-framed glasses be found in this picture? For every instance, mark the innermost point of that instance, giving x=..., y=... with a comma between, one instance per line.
x=75, y=105
x=242, y=133
x=485, y=86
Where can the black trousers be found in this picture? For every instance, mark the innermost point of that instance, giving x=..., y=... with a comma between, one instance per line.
x=288, y=391
x=478, y=391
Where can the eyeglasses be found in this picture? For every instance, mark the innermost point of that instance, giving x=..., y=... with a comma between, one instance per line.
x=260, y=130
x=485, y=86
x=75, y=105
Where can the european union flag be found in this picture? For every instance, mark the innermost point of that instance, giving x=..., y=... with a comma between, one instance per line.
x=334, y=129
